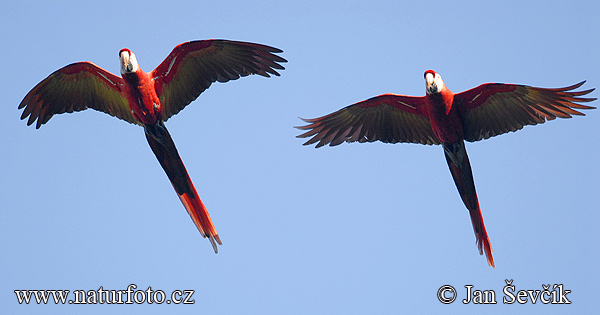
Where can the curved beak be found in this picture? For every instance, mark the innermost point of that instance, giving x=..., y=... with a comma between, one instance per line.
x=431, y=87
x=128, y=61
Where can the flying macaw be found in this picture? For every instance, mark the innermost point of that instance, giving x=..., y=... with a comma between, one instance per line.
x=149, y=99
x=443, y=117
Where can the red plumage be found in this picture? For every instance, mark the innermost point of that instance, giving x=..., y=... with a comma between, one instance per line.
x=149, y=99
x=443, y=117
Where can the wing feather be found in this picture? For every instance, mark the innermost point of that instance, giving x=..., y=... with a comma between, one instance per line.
x=492, y=109
x=76, y=87
x=193, y=66
x=389, y=118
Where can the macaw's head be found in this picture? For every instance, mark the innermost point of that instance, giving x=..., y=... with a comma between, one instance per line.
x=128, y=62
x=433, y=82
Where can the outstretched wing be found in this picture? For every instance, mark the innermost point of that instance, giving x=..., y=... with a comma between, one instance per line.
x=193, y=66
x=76, y=87
x=493, y=108
x=388, y=118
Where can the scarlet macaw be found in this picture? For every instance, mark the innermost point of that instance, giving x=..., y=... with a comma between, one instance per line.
x=149, y=99
x=443, y=117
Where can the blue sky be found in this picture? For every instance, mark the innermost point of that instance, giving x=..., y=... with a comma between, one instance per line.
x=353, y=229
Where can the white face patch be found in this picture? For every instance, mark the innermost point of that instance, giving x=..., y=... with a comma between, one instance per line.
x=129, y=63
x=433, y=83
x=439, y=82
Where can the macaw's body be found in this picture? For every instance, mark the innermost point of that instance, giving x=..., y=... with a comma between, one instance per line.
x=446, y=118
x=149, y=99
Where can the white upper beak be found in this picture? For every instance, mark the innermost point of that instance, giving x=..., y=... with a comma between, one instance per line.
x=431, y=86
x=434, y=83
x=128, y=62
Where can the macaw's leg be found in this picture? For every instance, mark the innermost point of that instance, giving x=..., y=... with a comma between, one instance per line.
x=459, y=165
x=164, y=148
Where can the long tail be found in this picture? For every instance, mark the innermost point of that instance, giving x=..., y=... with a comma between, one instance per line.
x=164, y=148
x=458, y=161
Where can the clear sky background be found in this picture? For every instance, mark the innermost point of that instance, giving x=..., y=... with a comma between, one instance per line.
x=354, y=229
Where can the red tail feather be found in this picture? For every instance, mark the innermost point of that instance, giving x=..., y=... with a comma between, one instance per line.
x=483, y=241
x=201, y=218
x=459, y=165
x=164, y=148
